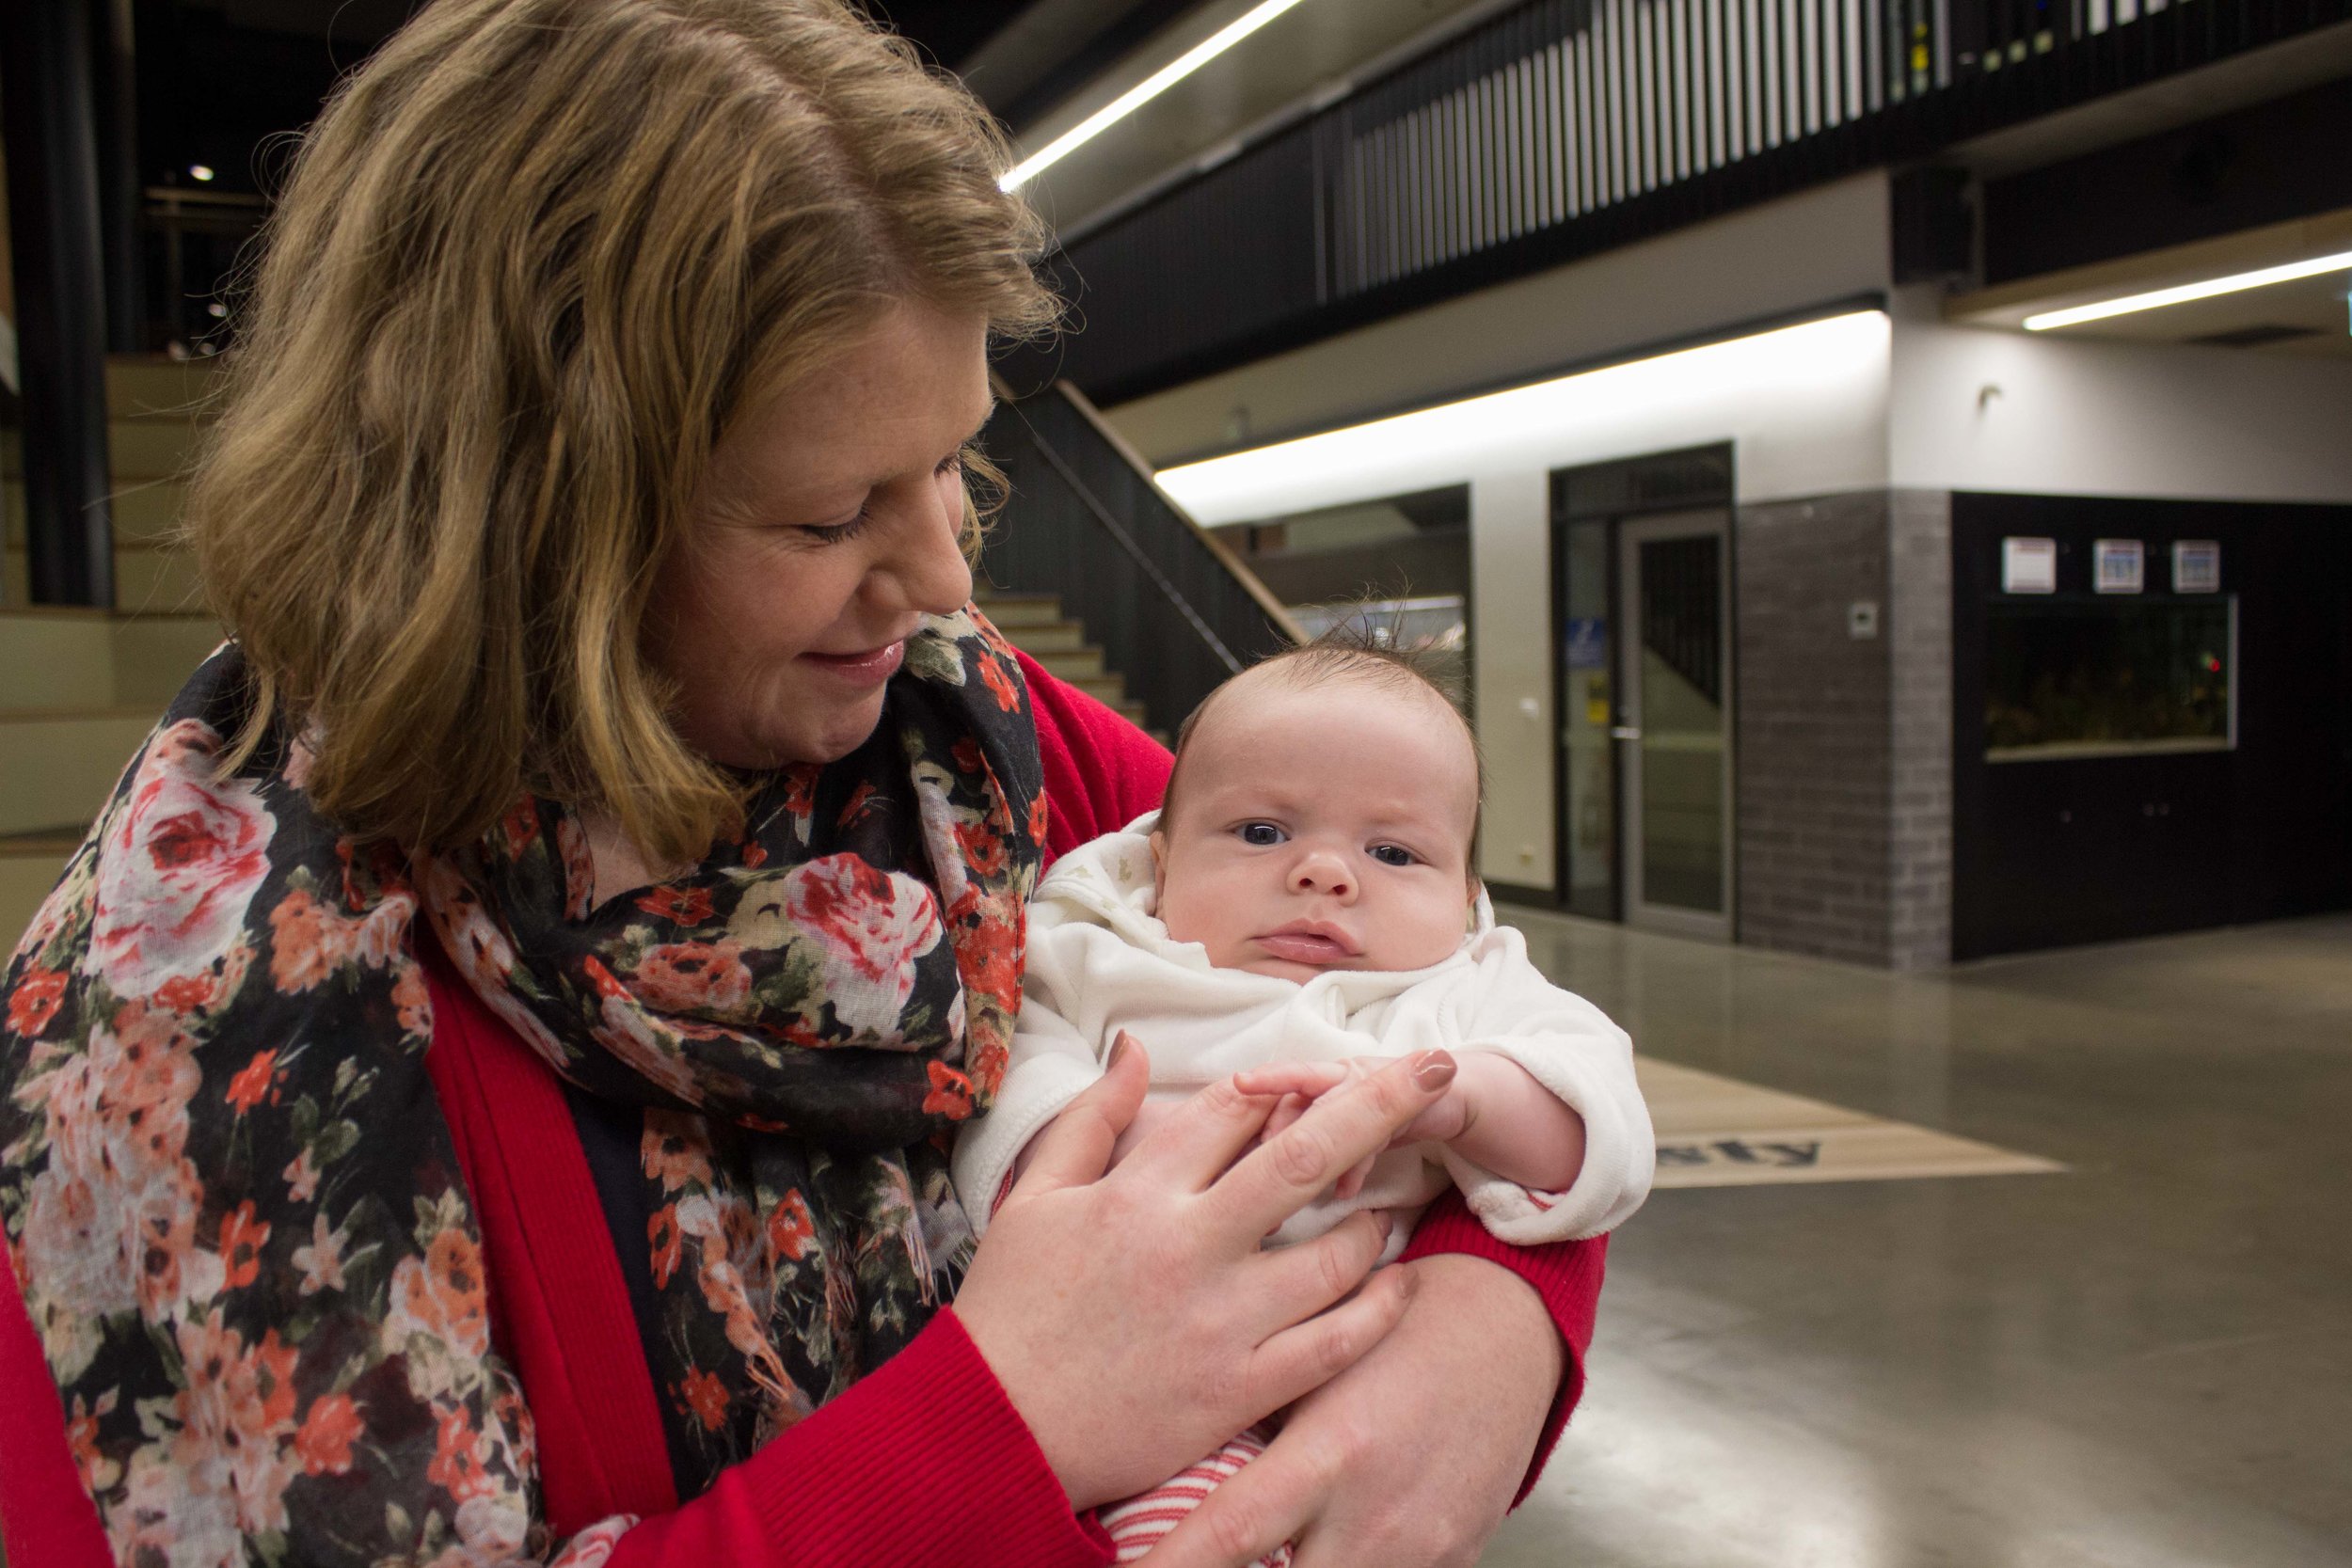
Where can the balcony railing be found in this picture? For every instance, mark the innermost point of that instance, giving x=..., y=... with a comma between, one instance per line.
x=1566, y=127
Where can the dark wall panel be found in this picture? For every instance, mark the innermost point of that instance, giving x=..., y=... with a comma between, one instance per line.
x=2051, y=853
x=2270, y=164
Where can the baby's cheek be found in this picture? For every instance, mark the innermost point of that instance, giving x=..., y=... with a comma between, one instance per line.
x=1434, y=927
x=1192, y=913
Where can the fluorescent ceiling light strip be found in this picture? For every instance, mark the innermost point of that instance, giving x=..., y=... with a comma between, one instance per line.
x=1143, y=92
x=1765, y=365
x=2156, y=299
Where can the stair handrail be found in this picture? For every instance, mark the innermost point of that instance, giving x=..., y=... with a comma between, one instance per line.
x=1126, y=540
x=1275, y=611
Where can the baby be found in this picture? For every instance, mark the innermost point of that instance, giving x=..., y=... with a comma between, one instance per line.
x=1300, y=909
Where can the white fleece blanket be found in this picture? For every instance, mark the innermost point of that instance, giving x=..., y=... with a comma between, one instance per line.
x=1100, y=961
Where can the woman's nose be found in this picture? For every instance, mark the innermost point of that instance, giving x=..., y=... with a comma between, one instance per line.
x=926, y=562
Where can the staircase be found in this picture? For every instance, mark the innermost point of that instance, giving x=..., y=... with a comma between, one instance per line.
x=79, y=689
x=1034, y=623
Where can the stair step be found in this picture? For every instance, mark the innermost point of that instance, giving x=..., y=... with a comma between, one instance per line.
x=1037, y=641
x=27, y=875
x=145, y=385
x=154, y=656
x=1020, y=609
x=150, y=449
x=146, y=581
x=147, y=512
x=1069, y=664
x=1105, y=687
x=56, y=660
x=58, y=767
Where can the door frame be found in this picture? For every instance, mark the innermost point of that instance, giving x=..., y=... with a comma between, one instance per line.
x=1631, y=534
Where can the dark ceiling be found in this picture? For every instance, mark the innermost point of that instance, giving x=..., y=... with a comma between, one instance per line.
x=222, y=82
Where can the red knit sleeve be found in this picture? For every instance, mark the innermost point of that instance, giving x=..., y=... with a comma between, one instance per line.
x=921, y=1462
x=45, y=1515
x=1566, y=1274
x=1101, y=771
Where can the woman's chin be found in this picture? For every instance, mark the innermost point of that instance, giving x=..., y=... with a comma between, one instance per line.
x=802, y=736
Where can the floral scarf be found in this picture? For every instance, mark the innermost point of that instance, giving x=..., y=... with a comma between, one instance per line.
x=233, y=1206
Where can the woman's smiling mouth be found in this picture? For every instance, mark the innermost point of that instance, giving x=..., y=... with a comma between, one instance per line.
x=870, y=668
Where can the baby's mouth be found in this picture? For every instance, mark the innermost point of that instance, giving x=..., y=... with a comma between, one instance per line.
x=1317, y=942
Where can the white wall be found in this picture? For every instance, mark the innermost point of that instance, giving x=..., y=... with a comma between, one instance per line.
x=1804, y=409
x=1974, y=409
x=1511, y=594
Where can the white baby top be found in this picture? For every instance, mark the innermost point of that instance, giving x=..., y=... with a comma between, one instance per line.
x=1100, y=961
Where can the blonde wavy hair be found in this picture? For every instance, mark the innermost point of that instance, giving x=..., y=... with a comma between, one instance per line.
x=528, y=265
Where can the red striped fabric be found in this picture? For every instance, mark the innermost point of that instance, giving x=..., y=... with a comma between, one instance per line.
x=1138, y=1524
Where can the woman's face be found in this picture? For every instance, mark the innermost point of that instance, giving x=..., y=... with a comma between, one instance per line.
x=824, y=532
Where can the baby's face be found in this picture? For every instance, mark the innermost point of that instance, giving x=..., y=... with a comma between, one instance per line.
x=1323, y=827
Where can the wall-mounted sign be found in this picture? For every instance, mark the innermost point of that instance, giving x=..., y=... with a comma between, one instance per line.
x=2120, y=566
x=2028, y=565
x=1587, y=643
x=2196, y=566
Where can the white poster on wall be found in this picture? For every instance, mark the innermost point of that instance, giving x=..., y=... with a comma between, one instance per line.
x=2028, y=565
x=2121, y=566
x=2196, y=566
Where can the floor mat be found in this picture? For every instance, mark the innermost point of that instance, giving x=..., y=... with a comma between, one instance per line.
x=1716, y=1131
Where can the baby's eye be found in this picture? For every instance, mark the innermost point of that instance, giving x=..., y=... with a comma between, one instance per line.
x=1263, y=834
x=1392, y=854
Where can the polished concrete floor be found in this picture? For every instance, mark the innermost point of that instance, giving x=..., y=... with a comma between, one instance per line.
x=2142, y=1362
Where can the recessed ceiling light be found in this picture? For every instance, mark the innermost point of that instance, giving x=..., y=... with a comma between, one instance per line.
x=2181, y=294
x=1143, y=92
x=1763, y=369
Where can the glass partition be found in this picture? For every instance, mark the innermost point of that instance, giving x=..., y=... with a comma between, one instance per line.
x=2108, y=677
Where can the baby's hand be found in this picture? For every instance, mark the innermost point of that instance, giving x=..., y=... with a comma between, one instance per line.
x=1301, y=1083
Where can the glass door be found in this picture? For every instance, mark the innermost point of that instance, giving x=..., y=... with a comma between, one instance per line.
x=1672, y=729
x=1588, y=783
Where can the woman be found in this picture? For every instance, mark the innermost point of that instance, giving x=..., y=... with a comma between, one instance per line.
x=479, y=1094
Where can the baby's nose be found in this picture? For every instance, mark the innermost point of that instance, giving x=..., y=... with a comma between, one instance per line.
x=1321, y=873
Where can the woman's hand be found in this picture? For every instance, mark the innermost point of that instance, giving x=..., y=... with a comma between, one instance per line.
x=1131, y=1316
x=1409, y=1457
x=1296, y=1086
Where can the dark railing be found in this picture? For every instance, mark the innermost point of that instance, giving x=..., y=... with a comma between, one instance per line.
x=1171, y=609
x=193, y=242
x=1566, y=127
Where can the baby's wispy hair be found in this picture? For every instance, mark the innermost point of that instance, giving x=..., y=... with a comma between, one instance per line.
x=1361, y=646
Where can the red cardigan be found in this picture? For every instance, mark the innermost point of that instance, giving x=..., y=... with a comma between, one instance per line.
x=966, y=1483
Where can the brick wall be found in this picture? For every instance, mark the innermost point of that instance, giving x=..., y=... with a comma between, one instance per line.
x=1814, y=762
x=1844, y=761
x=1918, y=636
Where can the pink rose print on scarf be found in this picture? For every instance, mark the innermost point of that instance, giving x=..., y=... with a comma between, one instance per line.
x=186, y=856
x=871, y=926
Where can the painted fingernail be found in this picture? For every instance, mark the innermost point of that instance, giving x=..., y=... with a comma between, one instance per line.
x=1434, y=1070
x=1119, y=1048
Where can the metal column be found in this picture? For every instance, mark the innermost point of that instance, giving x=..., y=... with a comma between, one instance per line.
x=45, y=72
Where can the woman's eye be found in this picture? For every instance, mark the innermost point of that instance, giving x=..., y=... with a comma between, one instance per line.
x=1263, y=834
x=835, y=533
x=1392, y=854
